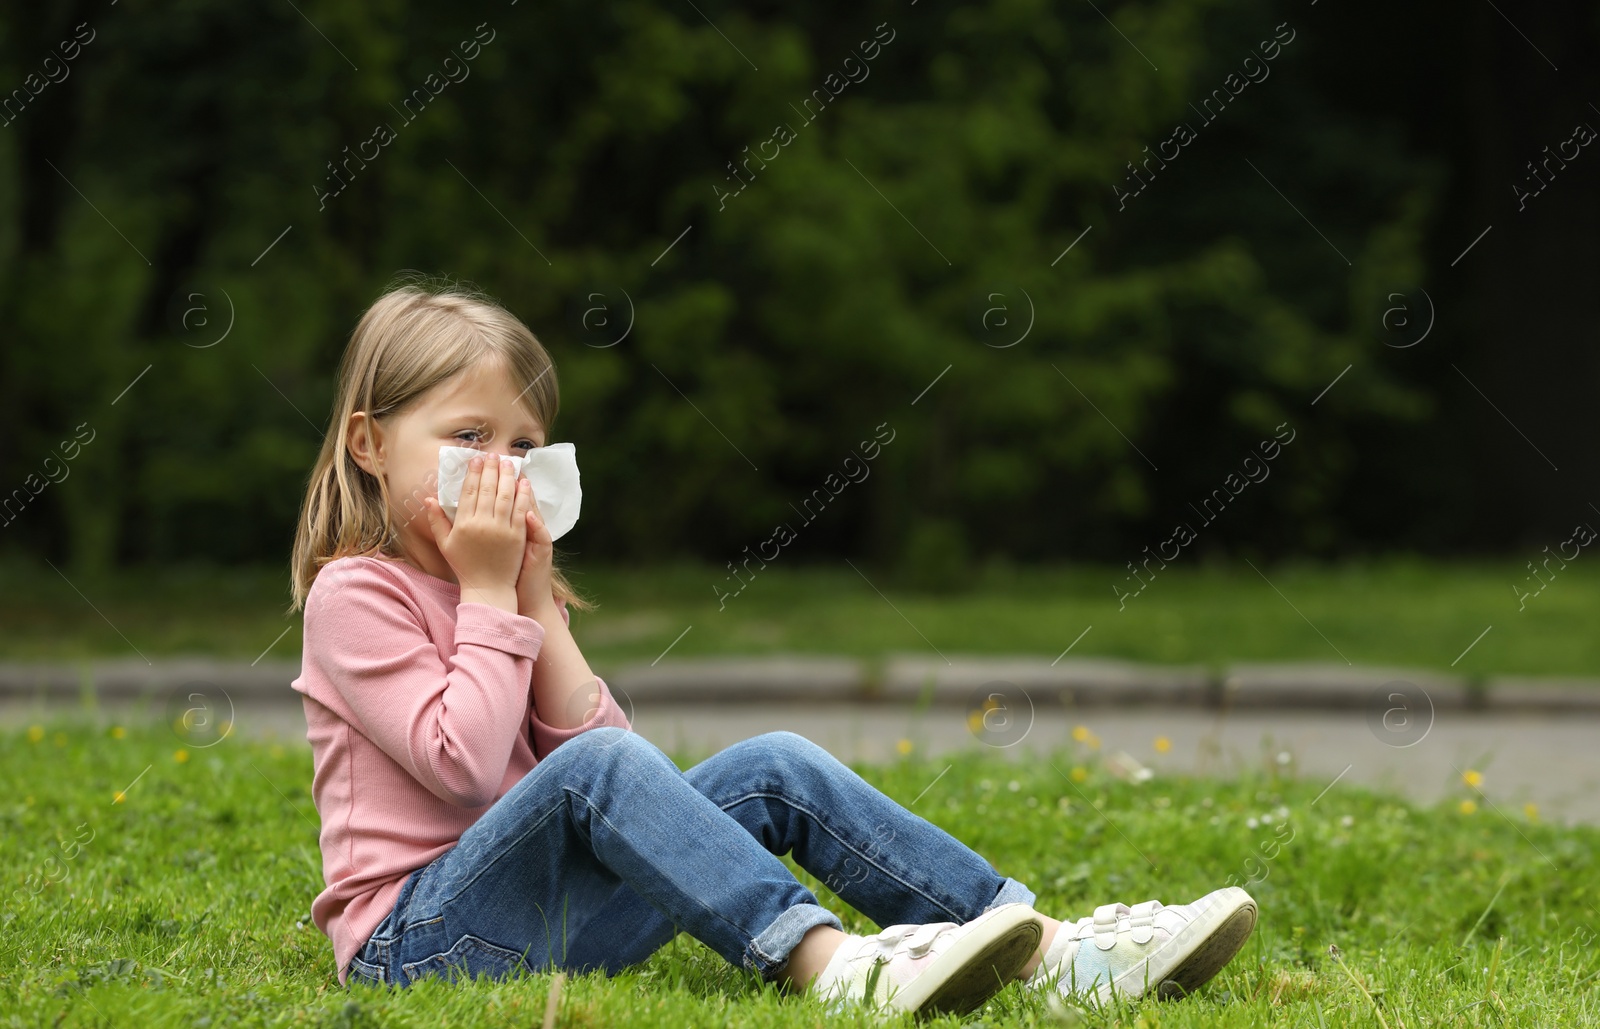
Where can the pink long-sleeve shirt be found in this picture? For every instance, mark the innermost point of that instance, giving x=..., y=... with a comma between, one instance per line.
x=420, y=714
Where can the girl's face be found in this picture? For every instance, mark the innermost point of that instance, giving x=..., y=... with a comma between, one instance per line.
x=479, y=408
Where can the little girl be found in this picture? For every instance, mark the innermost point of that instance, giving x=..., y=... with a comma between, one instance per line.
x=486, y=808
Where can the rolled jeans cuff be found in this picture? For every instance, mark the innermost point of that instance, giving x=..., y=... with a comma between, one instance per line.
x=768, y=952
x=1012, y=892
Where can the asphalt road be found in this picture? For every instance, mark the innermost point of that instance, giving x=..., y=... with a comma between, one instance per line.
x=1549, y=760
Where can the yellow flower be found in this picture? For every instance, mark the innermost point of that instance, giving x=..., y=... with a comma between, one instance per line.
x=35, y=733
x=1472, y=778
x=1531, y=810
x=226, y=727
x=1468, y=807
x=276, y=751
x=903, y=746
x=975, y=721
x=1094, y=742
x=118, y=732
x=1080, y=774
x=119, y=797
x=1163, y=744
x=60, y=739
x=990, y=704
x=180, y=755
x=1080, y=732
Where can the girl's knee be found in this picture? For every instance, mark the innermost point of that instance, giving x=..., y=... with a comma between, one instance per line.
x=610, y=741
x=789, y=748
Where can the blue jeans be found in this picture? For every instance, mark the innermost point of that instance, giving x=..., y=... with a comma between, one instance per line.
x=604, y=851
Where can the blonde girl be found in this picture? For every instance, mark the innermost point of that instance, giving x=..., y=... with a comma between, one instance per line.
x=486, y=807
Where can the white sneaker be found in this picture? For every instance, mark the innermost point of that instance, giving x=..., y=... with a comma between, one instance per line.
x=1149, y=946
x=936, y=968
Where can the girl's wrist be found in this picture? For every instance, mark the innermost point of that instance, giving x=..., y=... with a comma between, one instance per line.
x=546, y=614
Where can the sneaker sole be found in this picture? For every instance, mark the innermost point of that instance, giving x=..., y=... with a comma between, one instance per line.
x=1196, y=953
x=977, y=966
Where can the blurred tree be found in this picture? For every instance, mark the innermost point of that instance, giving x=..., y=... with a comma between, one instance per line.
x=932, y=215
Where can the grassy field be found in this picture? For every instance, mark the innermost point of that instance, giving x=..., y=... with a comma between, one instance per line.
x=1400, y=612
x=149, y=884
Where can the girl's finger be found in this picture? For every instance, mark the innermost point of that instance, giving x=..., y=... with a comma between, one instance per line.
x=488, y=482
x=505, y=491
x=470, y=485
x=438, y=523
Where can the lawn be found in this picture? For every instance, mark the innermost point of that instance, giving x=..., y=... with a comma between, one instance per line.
x=150, y=884
x=1399, y=612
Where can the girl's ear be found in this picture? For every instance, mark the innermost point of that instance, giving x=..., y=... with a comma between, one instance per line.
x=357, y=441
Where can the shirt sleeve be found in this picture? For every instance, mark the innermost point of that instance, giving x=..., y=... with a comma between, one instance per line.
x=602, y=709
x=450, y=723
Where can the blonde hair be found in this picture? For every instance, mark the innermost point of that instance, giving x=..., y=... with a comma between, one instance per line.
x=421, y=332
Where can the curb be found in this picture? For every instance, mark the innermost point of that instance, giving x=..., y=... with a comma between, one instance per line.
x=896, y=679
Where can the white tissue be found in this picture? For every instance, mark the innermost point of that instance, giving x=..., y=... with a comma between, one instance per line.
x=552, y=470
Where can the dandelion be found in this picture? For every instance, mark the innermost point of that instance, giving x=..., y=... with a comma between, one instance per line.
x=1080, y=774
x=1284, y=757
x=118, y=732
x=1094, y=742
x=1251, y=823
x=119, y=798
x=1080, y=733
x=1467, y=807
x=1347, y=821
x=1472, y=777
x=276, y=751
x=1013, y=786
x=180, y=755
x=1163, y=744
x=975, y=721
x=1531, y=811
x=60, y=739
x=35, y=733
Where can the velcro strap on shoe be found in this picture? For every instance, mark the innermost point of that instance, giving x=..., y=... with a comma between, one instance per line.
x=1142, y=920
x=918, y=942
x=1105, y=924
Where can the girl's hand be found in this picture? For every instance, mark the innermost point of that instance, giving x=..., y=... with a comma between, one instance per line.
x=483, y=543
x=534, y=596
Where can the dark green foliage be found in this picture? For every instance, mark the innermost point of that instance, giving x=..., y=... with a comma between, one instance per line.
x=177, y=181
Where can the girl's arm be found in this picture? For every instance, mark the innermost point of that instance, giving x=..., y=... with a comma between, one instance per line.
x=452, y=728
x=568, y=698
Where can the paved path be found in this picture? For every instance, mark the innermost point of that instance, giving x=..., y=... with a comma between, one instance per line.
x=1551, y=760
x=954, y=679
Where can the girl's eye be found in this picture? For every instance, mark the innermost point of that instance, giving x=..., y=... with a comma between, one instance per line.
x=474, y=432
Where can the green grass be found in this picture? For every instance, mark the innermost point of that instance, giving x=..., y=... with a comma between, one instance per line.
x=187, y=903
x=1407, y=613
